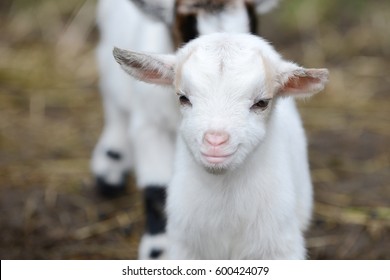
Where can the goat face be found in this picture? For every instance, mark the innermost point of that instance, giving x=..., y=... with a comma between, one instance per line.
x=227, y=86
x=226, y=96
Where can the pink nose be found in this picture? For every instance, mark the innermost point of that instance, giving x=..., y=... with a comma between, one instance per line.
x=216, y=138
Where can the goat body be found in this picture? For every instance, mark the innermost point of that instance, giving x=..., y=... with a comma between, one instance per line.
x=256, y=211
x=132, y=118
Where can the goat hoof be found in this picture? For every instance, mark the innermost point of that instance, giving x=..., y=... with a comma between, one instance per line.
x=153, y=247
x=110, y=190
x=155, y=254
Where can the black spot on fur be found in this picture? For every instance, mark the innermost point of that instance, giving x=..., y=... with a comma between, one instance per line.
x=111, y=190
x=253, y=24
x=213, y=6
x=114, y=155
x=155, y=197
x=187, y=27
x=155, y=253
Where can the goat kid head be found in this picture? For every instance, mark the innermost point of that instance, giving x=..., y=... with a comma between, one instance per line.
x=227, y=86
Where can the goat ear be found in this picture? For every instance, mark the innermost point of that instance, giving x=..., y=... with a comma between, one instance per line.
x=264, y=6
x=302, y=82
x=149, y=68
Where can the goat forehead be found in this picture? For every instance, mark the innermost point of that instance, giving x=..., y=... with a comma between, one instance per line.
x=223, y=69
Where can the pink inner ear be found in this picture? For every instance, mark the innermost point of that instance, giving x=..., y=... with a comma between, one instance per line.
x=147, y=73
x=300, y=84
x=152, y=74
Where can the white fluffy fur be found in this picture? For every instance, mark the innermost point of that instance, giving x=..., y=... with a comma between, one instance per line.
x=234, y=20
x=256, y=203
x=141, y=120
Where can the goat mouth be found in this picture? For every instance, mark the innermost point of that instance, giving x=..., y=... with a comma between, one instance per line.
x=216, y=159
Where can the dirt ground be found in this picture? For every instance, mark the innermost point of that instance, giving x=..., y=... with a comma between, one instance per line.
x=51, y=118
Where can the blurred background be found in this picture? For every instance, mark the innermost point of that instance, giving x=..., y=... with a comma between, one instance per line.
x=51, y=117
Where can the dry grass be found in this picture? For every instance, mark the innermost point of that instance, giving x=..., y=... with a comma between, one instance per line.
x=50, y=119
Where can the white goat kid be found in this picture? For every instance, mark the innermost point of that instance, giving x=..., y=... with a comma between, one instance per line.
x=241, y=187
x=141, y=120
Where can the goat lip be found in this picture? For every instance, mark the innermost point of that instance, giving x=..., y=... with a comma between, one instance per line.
x=215, y=158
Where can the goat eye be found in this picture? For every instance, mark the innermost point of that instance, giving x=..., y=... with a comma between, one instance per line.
x=261, y=104
x=184, y=100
